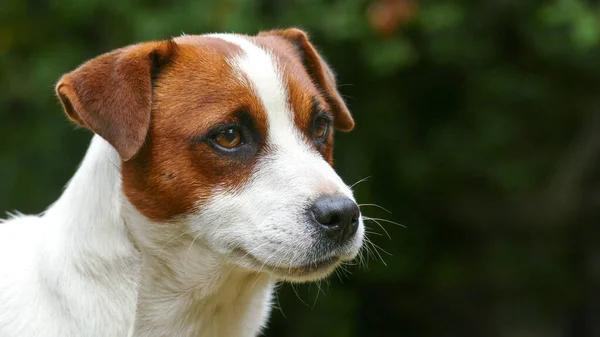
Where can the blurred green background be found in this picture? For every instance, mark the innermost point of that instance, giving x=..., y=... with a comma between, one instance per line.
x=478, y=123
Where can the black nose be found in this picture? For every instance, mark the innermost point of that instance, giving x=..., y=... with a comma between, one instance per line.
x=337, y=216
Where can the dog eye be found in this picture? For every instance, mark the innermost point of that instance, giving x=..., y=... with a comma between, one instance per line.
x=228, y=138
x=320, y=127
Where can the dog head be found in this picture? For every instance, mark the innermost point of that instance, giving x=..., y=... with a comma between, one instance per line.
x=227, y=139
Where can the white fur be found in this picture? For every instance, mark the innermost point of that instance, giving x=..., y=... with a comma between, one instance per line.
x=73, y=269
x=92, y=265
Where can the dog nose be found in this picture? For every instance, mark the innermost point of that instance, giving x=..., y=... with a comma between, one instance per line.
x=337, y=216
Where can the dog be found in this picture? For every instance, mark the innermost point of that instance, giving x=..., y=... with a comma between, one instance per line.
x=209, y=179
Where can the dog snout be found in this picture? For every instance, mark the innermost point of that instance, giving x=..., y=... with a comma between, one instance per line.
x=336, y=216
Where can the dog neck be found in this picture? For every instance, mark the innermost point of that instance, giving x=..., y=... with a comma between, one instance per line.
x=225, y=302
x=187, y=289
x=85, y=241
x=182, y=288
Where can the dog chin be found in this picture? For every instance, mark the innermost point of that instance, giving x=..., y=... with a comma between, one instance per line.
x=300, y=273
x=307, y=273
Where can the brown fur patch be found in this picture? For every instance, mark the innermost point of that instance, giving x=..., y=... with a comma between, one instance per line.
x=317, y=69
x=111, y=94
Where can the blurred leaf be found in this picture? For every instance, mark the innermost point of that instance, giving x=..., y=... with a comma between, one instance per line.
x=586, y=31
x=440, y=16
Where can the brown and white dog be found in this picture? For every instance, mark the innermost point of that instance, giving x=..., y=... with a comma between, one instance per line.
x=208, y=181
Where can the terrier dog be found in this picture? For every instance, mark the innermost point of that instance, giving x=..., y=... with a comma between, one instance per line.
x=208, y=180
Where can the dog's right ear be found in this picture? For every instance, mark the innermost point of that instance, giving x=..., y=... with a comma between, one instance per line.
x=112, y=93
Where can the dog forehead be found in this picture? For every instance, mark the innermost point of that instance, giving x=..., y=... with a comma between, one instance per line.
x=273, y=72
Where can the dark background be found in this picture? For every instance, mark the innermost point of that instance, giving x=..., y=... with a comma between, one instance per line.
x=478, y=123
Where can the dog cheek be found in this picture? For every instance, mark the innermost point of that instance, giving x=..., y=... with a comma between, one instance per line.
x=161, y=188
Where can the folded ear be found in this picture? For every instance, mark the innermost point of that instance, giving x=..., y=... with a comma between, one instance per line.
x=320, y=73
x=112, y=93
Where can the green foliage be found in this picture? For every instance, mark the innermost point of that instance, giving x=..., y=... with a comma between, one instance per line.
x=475, y=121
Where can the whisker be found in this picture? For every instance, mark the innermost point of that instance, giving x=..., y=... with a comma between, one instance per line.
x=174, y=238
x=361, y=258
x=337, y=274
x=320, y=288
x=376, y=249
x=270, y=257
x=381, y=249
x=367, y=253
x=318, y=283
x=278, y=303
x=380, y=226
x=249, y=252
x=385, y=220
x=264, y=262
x=190, y=249
x=327, y=283
x=345, y=270
x=368, y=249
x=297, y=295
x=350, y=263
x=375, y=205
x=373, y=233
x=360, y=181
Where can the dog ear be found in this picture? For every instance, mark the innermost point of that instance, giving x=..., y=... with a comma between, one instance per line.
x=320, y=73
x=112, y=93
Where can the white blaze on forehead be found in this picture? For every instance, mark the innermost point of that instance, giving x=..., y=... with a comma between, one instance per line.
x=257, y=66
x=297, y=165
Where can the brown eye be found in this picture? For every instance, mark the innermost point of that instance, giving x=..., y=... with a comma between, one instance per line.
x=320, y=127
x=228, y=138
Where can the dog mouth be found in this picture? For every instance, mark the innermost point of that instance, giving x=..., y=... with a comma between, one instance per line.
x=315, y=267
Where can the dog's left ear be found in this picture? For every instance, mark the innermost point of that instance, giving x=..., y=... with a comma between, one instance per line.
x=320, y=73
x=112, y=93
